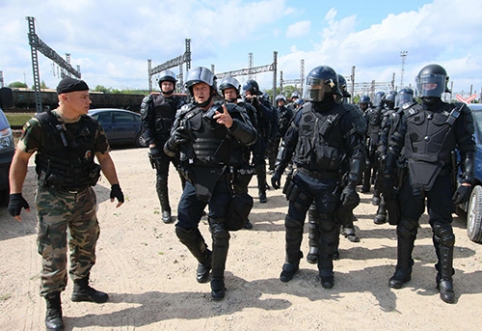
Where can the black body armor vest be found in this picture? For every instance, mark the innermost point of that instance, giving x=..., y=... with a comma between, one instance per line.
x=165, y=113
x=429, y=142
x=211, y=143
x=320, y=139
x=66, y=159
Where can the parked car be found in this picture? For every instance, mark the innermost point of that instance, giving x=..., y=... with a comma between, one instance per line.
x=7, y=147
x=121, y=126
x=473, y=209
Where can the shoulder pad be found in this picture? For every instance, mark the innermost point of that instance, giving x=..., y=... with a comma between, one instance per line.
x=407, y=105
x=147, y=98
x=413, y=109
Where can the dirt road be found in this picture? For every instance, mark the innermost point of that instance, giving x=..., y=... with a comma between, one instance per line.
x=150, y=275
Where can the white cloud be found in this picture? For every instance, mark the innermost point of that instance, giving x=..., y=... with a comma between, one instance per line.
x=298, y=29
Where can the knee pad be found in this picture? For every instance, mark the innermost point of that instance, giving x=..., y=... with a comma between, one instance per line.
x=407, y=228
x=218, y=231
x=188, y=236
x=291, y=223
x=326, y=223
x=444, y=234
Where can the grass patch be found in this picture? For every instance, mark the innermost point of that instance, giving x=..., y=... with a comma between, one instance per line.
x=17, y=120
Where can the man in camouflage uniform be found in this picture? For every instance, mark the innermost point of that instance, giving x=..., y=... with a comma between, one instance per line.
x=66, y=141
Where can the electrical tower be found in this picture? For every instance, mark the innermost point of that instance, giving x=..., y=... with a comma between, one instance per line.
x=36, y=44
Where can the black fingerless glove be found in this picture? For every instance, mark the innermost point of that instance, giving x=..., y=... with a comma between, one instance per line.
x=16, y=203
x=116, y=192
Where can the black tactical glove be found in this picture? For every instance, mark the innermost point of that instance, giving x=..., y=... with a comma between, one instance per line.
x=349, y=198
x=462, y=194
x=276, y=179
x=16, y=203
x=154, y=152
x=116, y=192
x=179, y=137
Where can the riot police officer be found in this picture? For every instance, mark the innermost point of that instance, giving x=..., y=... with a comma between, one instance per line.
x=378, y=198
x=294, y=97
x=266, y=129
x=429, y=133
x=158, y=113
x=343, y=215
x=242, y=170
x=203, y=135
x=364, y=103
x=321, y=139
x=284, y=117
x=66, y=141
x=373, y=116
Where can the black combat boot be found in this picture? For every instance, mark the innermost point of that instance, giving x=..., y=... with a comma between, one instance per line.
x=350, y=234
x=218, y=290
x=83, y=292
x=400, y=277
x=381, y=216
x=248, y=225
x=203, y=269
x=288, y=271
x=53, y=317
x=162, y=193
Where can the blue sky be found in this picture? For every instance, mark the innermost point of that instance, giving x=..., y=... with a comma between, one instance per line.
x=112, y=40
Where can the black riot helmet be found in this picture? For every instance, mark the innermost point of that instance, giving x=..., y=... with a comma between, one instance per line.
x=295, y=95
x=229, y=82
x=252, y=87
x=404, y=96
x=342, y=84
x=390, y=99
x=320, y=81
x=280, y=97
x=379, y=98
x=431, y=82
x=201, y=75
x=169, y=76
x=364, y=102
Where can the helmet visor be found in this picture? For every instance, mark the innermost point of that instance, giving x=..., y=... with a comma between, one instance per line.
x=316, y=88
x=431, y=85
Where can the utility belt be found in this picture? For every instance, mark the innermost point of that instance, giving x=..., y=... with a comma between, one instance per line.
x=320, y=174
x=57, y=181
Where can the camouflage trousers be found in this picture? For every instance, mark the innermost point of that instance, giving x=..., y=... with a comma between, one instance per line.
x=63, y=215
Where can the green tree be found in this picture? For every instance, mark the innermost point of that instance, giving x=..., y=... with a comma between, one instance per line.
x=17, y=85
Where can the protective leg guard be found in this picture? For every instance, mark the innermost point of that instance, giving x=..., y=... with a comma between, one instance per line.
x=162, y=193
x=194, y=242
x=444, y=236
x=262, y=185
x=313, y=235
x=329, y=240
x=406, y=234
x=53, y=317
x=220, y=238
x=293, y=237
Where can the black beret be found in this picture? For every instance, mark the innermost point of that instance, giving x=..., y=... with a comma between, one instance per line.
x=69, y=84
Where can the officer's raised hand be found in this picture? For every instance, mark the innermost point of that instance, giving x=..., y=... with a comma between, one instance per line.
x=116, y=193
x=224, y=118
x=462, y=194
x=15, y=205
x=276, y=179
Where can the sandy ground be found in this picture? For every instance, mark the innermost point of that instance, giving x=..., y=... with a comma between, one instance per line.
x=150, y=275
